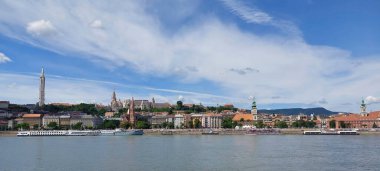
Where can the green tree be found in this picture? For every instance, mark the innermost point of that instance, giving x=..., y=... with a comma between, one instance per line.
x=197, y=123
x=164, y=125
x=35, y=126
x=170, y=112
x=374, y=125
x=77, y=126
x=281, y=124
x=53, y=125
x=190, y=124
x=125, y=125
x=227, y=122
x=111, y=124
x=170, y=125
x=102, y=111
x=342, y=124
x=332, y=124
x=179, y=105
x=259, y=124
x=142, y=125
x=23, y=126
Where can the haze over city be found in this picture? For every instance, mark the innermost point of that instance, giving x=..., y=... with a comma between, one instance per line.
x=284, y=53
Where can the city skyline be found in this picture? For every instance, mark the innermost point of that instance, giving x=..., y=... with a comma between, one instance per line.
x=213, y=52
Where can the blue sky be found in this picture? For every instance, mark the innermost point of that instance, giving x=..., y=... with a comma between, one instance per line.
x=289, y=53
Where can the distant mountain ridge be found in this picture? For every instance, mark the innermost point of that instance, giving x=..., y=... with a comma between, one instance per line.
x=296, y=111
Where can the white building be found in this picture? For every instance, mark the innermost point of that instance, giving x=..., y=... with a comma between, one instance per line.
x=178, y=121
x=212, y=120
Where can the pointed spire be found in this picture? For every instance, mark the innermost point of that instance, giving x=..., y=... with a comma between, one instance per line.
x=42, y=72
x=113, y=96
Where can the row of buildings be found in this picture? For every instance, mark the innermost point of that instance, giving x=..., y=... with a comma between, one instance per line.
x=39, y=121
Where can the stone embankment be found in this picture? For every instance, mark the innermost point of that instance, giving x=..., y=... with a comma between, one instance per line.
x=8, y=133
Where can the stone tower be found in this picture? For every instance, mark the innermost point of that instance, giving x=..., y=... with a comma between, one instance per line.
x=132, y=113
x=41, y=102
x=254, y=110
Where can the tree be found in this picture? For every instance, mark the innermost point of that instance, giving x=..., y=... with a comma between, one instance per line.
x=53, y=125
x=179, y=105
x=332, y=124
x=77, y=126
x=164, y=125
x=342, y=124
x=111, y=124
x=102, y=111
x=190, y=124
x=227, y=122
x=23, y=126
x=142, y=125
x=374, y=125
x=125, y=125
x=170, y=125
x=197, y=123
x=259, y=124
x=35, y=126
x=281, y=124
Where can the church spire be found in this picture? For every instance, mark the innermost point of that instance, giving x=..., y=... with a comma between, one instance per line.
x=254, y=109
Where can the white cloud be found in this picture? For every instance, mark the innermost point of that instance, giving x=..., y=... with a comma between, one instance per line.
x=372, y=100
x=40, y=28
x=207, y=50
x=96, y=24
x=251, y=14
x=4, y=59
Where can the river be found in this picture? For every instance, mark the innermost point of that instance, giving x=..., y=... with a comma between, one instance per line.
x=192, y=152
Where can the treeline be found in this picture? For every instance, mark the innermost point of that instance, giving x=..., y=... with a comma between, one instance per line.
x=83, y=107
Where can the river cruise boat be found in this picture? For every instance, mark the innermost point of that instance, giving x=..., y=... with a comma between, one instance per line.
x=59, y=133
x=83, y=133
x=121, y=132
x=319, y=132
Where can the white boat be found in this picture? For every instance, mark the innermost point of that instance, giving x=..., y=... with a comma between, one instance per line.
x=107, y=132
x=59, y=133
x=83, y=133
x=43, y=133
x=120, y=132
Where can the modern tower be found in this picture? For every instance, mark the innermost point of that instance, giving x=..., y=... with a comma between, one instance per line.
x=42, y=89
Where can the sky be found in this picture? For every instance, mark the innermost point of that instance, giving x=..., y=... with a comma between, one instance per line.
x=290, y=53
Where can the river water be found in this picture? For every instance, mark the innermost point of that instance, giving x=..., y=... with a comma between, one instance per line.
x=240, y=152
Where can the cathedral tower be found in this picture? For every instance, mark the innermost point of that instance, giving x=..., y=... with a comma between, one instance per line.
x=42, y=89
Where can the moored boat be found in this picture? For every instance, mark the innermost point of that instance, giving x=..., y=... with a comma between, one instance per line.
x=262, y=132
x=319, y=132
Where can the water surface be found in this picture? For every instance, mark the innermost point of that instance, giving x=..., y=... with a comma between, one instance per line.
x=241, y=152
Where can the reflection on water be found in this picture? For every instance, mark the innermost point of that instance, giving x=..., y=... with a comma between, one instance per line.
x=277, y=152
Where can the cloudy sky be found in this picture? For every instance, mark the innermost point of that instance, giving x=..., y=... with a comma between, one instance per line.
x=290, y=53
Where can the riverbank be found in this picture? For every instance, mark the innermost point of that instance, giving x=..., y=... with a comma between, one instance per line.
x=200, y=131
